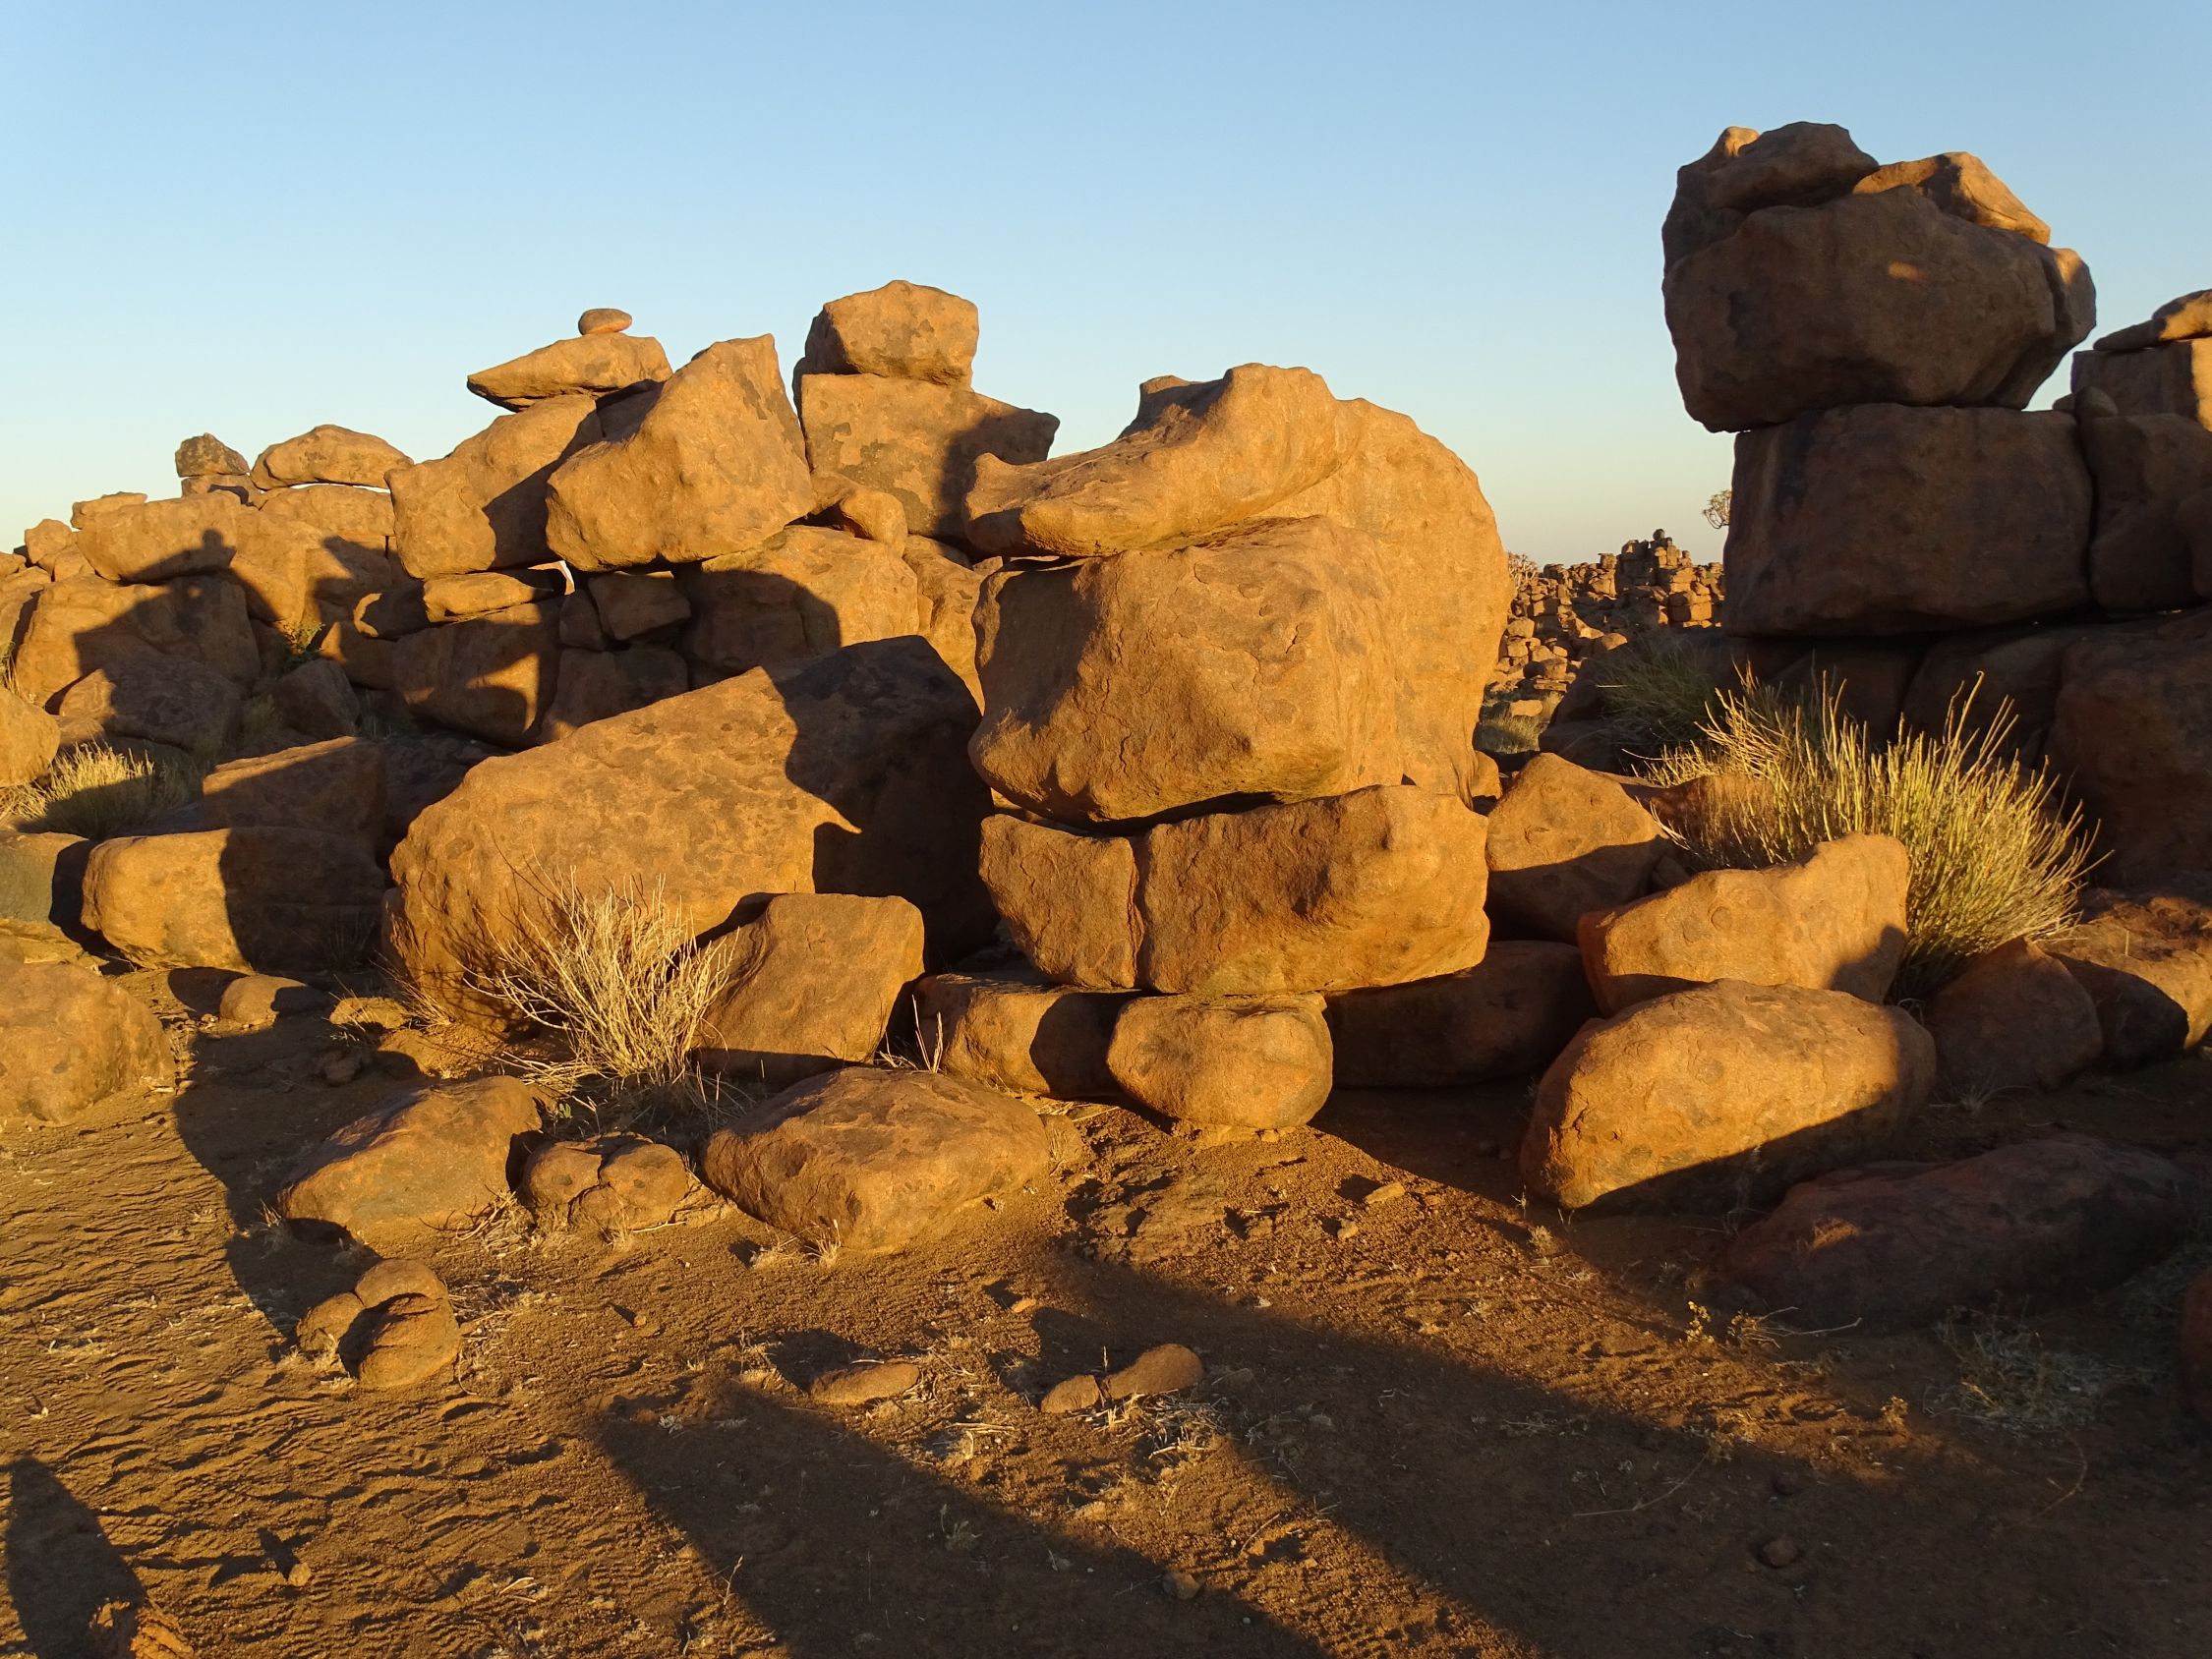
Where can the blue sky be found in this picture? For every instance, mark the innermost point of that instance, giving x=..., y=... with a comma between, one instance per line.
x=257, y=218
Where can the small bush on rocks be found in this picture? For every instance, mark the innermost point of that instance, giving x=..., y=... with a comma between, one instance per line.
x=1995, y=854
x=96, y=791
x=1660, y=693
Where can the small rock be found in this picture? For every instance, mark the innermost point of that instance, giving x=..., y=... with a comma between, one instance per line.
x=299, y=1574
x=859, y=1385
x=603, y=320
x=1389, y=1192
x=1166, y=1369
x=402, y=1277
x=1071, y=1393
x=1781, y=1552
x=1787, y=1483
x=413, y=1339
x=1179, y=1584
x=342, y=1066
x=255, y=1000
x=129, y=1630
x=371, y=1013
x=325, y=1325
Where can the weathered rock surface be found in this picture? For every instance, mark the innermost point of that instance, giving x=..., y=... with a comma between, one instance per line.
x=259, y=898
x=491, y=677
x=904, y=330
x=1798, y=165
x=595, y=685
x=326, y=454
x=29, y=739
x=255, y=1001
x=480, y=592
x=207, y=456
x=2016, y=1018
x=1198, y=457
x=336, y=512
x=2146, y=962
x=169, y=700
x=870, y=1159
x=2145, y=468
x=161, y=540
x=1723, y=1095
x=919, y=442
x=812, y=981
x=1509, y=1014
x=616, y=1184
x=411, y=1339
x=715, y=464
x=1256, y=662
x=604, y=320
x=1834, y=919
x=803, y=592
x=1884, y=519
x=597, y=363
x=845, y=774
x=1018, y=1032
x=1894, y=1245
x=632, y=603
x=2132, y=734
x=1245, y=1062
x=2165, y=379
x=483, y=507
x=74, y=627
x=70, y=1040
x=865, y=1383
x=1373, y=887
x=1563, y=842
x=336, y=786
x=2188, y=317
x=430, y=1160
x=1888, y=294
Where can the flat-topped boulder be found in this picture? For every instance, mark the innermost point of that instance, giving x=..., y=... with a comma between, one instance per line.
x=596, y=364
x=260, y=897
x=1257, y=662
x=328, y=454
x=804, y=592
x=2145, y=959
x=902, y=329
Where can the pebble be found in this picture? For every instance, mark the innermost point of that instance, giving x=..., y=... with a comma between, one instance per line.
x=1167, y=1369
x=1071, y=1394
x=603, y=320
x=1783, y=1551
x=1389, y=1192
x=342, y=1066
x=1179, y=1584
x=863, y=1384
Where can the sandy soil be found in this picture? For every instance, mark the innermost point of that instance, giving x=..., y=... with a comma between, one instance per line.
x=1428, y=1427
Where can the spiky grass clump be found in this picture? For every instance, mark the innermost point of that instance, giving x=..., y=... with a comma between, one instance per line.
x=612, y=986
x=1660, y=692
x=98, y=791
x=1996, y=855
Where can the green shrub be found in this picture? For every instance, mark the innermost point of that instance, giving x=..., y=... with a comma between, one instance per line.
x=1996, y=855
x=1659, y=692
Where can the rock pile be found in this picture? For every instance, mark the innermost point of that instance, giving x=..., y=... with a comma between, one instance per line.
x=1873, y=334
x=1566, y=616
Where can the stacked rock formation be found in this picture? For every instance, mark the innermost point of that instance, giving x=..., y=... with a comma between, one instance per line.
x=1232, y=738
x=1563, y=615
x=1901, y=519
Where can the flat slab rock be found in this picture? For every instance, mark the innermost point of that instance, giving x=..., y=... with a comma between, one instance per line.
x=1893, y=1245
x=872, y=1157
x=430, y=1160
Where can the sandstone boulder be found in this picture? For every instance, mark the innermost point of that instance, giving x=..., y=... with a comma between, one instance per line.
x=1894, y=1245
x=1798, y=165
x=812, y=982
x=2132, y=734
x=1563, y=842
x=167, y=700
x=42, y=875
x=326, y=454
x=902, y=329
x=803, y=592
x=877, y=514
x=2145, y=466
x=1721, y=1096
x=2016, y=1018
x=410, y=1339
x=1962, y=187
x=2146, y=962
x=917, y=440
x=161, y=540
x=595, y=685
x=316, y=700
x=1885, y=519
x=483, y=507
x=1834, y=919
x=1373, y=887
x=261, y=898
x=604, y=320
x=1508, y=1015
x=1256, y=662
x=948, y=590
x=1198, y=457
x=845, y=774
x=869, y=1159
x=336, y=788
x=430, y=1160
x=2165, y=380
x=1796, y=310
x=616, y=1184
x=70, y=1040
x=29, y=739
x=631, y=603
x=715, y=464
x=491, y=677
x=453, y=598
x=1016, y=1031
x=207, y=456
x=2188, y=317
x=597, y=364
x=1245, y=1062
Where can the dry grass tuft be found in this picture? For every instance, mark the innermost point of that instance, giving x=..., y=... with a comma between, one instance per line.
x=2010, y=1380
x=612, y=986
x=1660, y=693
x=98, y=791
x=1996, y=855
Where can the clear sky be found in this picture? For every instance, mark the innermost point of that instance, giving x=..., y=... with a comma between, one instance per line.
x=249, y=219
